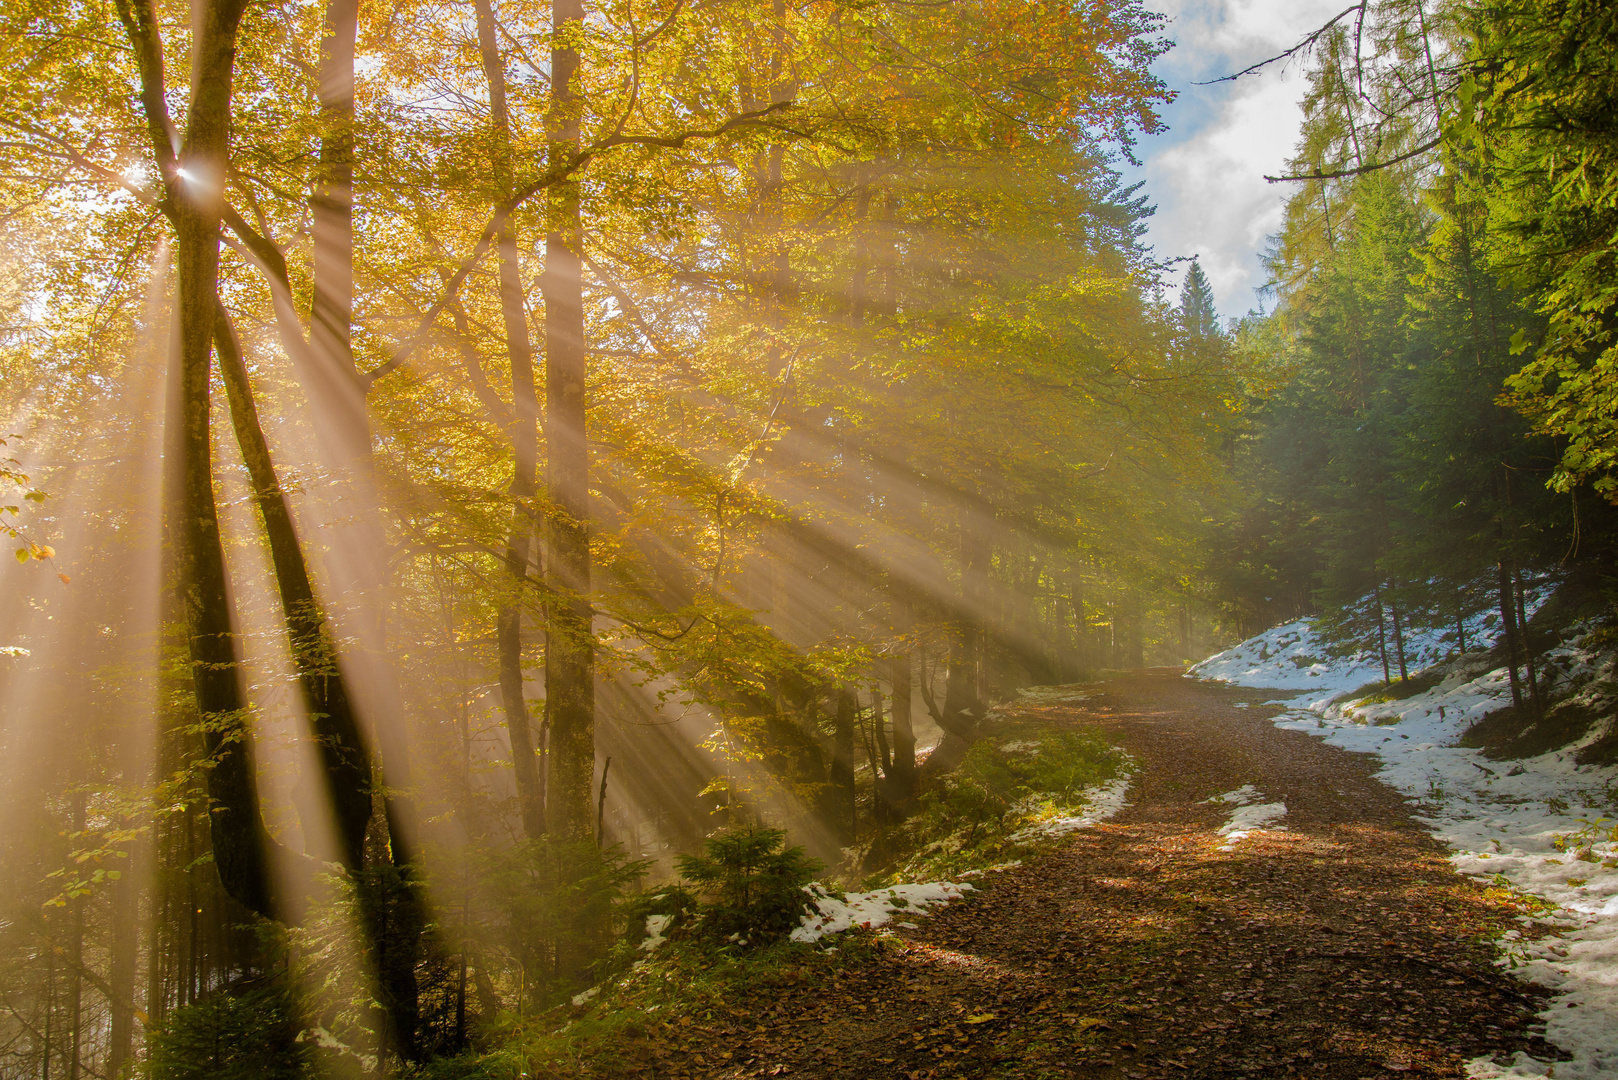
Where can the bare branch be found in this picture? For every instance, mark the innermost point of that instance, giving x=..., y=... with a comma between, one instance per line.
x=1301, y=46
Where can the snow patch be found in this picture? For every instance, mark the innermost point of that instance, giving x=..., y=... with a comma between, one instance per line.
x=1050, y=695
x=1248, y=816
x=831, y=915
x=1100, y=803
x=655, y=927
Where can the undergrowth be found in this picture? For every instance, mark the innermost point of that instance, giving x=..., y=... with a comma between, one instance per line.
x=1010, y=783
x=692, y=949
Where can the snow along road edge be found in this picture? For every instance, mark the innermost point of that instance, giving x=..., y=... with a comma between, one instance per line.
x=1535, y=825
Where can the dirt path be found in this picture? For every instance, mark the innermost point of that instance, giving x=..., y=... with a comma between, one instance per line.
x=1343, y=946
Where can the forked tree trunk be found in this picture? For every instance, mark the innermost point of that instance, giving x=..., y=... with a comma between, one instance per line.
x=240, y=843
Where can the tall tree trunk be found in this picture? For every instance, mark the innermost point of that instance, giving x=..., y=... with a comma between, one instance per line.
x=344, y=759
x=1460, y=621
x=962, y=699
x=395, y=901
x=240, y=842
x=125, y=949
x=75, y=957
x=331, y=208
x=570, y=642
x=523, y=434
x=1137, y=629
x=1081, y=629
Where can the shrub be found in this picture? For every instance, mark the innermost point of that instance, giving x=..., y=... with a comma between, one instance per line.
x=559, y=900
x=231, y=1035
x=750, y=884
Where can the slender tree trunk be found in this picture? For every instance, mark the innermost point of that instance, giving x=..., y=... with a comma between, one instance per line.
x=1527, y=648
x=1460, y=620
x=50, y=1013
x=331, y=208
x=125, y=949
x=903, y=777
x=523, y=433
x=344, y=759
x=570, y=643
x=844, y=820
x=1508, y=627
x=961, y=693
x=1382, y=635
x=75, y=954
x=1137, y=630
x=1081, y=629
x=1398, y=633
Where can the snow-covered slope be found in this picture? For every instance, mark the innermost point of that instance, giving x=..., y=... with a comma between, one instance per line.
x=1292, y=656
x=1541, y=825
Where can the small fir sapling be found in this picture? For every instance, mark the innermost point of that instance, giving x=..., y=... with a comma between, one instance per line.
x=750, y=885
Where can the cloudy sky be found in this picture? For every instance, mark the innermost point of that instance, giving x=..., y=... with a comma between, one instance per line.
x=1206, y=173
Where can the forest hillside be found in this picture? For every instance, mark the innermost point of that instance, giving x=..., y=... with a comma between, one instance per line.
x=577, y=538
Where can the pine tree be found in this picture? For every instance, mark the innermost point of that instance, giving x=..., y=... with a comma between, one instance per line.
x=1198, y=312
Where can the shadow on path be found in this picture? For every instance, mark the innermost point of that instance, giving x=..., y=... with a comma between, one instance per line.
x=1338, y=943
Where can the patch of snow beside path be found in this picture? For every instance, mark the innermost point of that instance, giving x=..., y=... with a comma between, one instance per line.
x=832, y=915
x=1101, y=802
x=1539, y=825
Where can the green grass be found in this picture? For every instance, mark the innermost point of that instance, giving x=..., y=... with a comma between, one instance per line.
x=1380, y=693
x=968, y=822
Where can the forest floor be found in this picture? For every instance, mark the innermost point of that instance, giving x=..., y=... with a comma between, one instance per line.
x=1337, y=943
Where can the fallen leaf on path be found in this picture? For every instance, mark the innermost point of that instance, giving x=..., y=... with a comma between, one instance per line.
x=980, y=1018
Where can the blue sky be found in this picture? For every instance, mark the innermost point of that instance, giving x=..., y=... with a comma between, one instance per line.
x=1206, y=173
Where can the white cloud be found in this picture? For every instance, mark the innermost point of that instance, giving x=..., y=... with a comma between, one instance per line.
x=1206, y=173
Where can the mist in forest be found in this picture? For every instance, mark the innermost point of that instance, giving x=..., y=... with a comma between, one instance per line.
x=460, y=459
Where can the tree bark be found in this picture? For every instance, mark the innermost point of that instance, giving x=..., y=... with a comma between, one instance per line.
x=961, y=693
x=331, y=209
x=843, y=806
x=1382, y=635
x=523, y=433
x=125, y=949
x=570, y=642
x=1398, y=633
x=240, y=843
x=345, y=762
x=1532, y=668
